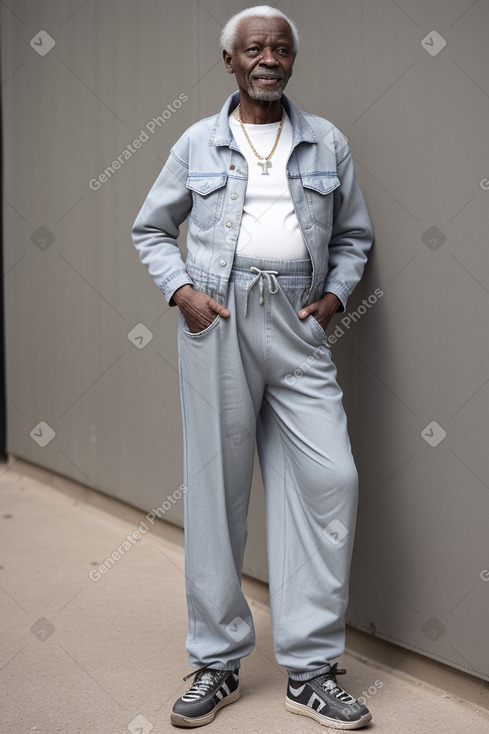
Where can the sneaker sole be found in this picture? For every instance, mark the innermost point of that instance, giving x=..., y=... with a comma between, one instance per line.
x=303, y=710
x=193, y=721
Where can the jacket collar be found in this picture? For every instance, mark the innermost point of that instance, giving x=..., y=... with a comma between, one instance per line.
x=222, y=134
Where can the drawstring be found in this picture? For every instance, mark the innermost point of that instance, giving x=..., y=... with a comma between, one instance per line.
x=261, y=276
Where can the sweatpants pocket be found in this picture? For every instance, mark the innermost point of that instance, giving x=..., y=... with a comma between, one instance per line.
x=198, y=334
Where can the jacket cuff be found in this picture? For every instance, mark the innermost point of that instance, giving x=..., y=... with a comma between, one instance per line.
x=170, y=285
x=340, y=290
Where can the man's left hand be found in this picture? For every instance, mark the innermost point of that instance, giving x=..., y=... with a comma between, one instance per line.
x=322, y=310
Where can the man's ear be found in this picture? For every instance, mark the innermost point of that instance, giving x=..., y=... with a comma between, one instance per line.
x=228, y=61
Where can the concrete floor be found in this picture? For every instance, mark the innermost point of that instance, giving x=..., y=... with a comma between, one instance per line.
x=104, y=654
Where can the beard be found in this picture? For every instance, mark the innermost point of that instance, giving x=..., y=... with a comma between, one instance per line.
x=266, y=95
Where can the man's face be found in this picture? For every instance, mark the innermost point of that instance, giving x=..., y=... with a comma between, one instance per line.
x=262, y=58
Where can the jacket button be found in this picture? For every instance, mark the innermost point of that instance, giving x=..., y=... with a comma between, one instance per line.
x=229, y=224
x=222, y=263
x=234, y=196
x=232, y=167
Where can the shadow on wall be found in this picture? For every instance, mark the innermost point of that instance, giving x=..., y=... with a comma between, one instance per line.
x=384, y=433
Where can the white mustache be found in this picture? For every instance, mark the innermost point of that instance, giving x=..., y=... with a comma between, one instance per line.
x=267, y=76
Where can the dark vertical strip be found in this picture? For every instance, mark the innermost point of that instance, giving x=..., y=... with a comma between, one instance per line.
x=3, y=400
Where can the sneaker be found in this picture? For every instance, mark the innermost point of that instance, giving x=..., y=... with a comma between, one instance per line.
x=323, y=700
x=210, y=690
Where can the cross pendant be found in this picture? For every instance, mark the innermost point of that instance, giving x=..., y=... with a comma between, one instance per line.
x=265, y=165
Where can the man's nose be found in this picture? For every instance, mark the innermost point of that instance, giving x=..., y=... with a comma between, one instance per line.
x=268, y=58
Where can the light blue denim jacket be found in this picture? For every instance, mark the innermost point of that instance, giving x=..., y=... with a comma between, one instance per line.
x=205, y=180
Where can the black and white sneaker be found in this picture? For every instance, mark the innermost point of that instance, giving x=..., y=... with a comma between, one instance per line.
x=210, y=690
x=323, y=700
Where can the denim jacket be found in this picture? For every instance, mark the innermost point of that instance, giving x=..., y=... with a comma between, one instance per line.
x=205, y=180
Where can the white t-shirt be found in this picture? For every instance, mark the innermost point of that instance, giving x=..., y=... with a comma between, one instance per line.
x=269, y=226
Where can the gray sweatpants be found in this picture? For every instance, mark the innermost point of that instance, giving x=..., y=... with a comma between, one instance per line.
x=266, y=376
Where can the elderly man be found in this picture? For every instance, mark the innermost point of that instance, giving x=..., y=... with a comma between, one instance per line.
x=278, y=235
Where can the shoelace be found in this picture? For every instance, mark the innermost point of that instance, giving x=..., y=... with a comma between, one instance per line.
x=330, y=684
x=262, y=276
x=201, y=686
x=195, y=672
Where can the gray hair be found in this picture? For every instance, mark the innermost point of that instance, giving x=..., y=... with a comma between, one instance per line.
x=228, y=33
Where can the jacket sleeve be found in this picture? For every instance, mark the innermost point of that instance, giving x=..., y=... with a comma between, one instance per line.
x=351, y=236
x=157, y=227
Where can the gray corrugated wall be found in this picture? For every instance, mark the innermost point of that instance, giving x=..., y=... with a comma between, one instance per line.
x=85, y=378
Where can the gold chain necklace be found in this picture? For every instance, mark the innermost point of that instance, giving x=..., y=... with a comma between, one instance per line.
x=265, y=163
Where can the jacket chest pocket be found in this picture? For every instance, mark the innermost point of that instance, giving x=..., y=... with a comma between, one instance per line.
x=318, y=190
x=207, y=198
